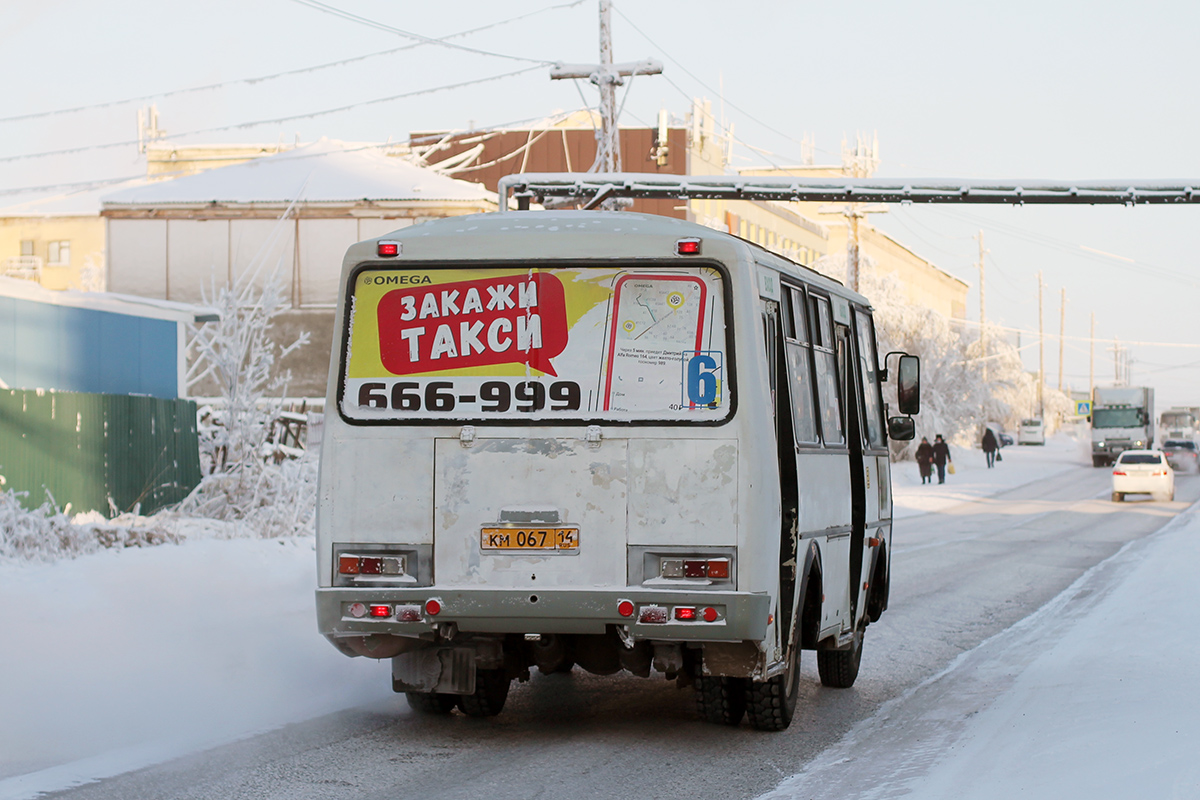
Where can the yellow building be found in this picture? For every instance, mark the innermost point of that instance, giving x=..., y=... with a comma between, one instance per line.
x=57, y=242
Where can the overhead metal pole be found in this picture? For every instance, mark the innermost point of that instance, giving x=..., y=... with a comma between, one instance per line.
x=837, y=190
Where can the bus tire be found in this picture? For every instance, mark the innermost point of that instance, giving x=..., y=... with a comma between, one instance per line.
x=771, y=704
x=431, y=702
x=839, y=668
x=491, y=690
x=721, y=701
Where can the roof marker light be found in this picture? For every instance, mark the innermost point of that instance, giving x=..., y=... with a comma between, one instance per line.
x=687, y=247
x=388, y=248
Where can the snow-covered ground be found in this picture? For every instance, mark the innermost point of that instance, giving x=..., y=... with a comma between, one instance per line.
x=125, y=658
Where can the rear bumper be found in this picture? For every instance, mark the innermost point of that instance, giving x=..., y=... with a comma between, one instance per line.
x=742, y=615
x=1130, y=484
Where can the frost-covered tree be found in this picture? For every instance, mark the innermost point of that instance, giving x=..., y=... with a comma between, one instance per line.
x=962, y=387
x=243, y=482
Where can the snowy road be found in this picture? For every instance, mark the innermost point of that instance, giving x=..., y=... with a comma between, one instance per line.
x=962, y=574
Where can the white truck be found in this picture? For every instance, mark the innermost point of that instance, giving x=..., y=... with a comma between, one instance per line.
x=1180, y=422
x=1122, y=419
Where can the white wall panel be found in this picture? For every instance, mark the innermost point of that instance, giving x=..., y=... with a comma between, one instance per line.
x=197, y=258
x=373, y=228
x=323, y=244
x=137, y=257
x=264, y=245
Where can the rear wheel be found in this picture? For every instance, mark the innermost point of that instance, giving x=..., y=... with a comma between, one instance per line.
x=491, y=690
x=771, y=704
x=839, y=668
x=721, y=701
x=1117, y=497
x=431, y=702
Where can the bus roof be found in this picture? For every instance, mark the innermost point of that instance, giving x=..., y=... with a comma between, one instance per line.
x=624, y=224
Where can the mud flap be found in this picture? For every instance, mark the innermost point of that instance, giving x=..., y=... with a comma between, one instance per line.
x=445, y=670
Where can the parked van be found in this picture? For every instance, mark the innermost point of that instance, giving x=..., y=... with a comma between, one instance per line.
x=604, y=440
x=1031, y=431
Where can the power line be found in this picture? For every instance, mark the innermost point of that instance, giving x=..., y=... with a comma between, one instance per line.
x=692, y=75
x=370, y=23
x=275, y=75
x=277, y=120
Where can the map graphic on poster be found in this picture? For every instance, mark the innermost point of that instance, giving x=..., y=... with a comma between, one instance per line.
x=574, y=342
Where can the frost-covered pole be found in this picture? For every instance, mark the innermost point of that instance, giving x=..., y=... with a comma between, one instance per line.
x=1041, y=352
x=610, y=143
x=1062, y=332
x=982, y=314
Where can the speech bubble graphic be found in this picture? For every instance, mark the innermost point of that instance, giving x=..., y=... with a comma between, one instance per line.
x=515, y=319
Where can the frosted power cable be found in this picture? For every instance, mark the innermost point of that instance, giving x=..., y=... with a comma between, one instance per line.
x=370, y=23
x=277, y=120
x=284, y=74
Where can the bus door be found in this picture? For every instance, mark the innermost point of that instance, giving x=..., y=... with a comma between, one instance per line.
x=776, y=327
x=852, y=418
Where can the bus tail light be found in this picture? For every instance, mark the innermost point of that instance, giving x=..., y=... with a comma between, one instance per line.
x=710, y=614
x=625, y=608
x=685, y=613
x=714, y=569
x=653, y=614
x=433, y=607
x=408, y=613
x=381, y=611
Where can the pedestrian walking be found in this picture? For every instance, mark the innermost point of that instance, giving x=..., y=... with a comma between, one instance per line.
x=990, y=446
x=941, y=456
x=925, y=460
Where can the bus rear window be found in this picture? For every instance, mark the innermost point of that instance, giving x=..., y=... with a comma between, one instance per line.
x=497, y=343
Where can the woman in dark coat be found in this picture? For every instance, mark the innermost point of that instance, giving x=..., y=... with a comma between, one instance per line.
x=925, y=459
x=990, y=446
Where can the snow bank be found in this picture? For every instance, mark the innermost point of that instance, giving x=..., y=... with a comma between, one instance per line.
x=972, y=479
x=123, y=658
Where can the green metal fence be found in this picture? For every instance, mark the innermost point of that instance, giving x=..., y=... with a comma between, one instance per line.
x=86, y=449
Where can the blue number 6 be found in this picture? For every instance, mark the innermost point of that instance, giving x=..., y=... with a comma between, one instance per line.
x=702, y=379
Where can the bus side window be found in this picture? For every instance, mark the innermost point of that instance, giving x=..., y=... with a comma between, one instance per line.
x=825, y=360
x=869, y=369
x=800, y=368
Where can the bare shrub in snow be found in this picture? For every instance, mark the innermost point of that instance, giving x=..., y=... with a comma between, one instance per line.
x=47, y=533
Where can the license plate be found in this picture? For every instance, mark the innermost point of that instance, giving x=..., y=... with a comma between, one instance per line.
x=538, y=539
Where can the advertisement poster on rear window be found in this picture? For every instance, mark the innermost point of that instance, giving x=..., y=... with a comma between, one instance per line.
x=544, y=344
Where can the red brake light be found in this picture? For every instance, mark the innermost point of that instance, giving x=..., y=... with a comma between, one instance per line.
x=433, y=607
x=388, y=248
x=685, y=613
x=625, y=608
x=710, y=614
x=381, y=611
x=1118, y=472
x=348, y=565
x=688, y=247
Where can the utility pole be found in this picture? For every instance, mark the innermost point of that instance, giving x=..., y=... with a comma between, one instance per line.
x=982, y=313
x=1062, y=330
x=1116, y=361
x=1092, y=361
x=1041, y=353
x=607, y=76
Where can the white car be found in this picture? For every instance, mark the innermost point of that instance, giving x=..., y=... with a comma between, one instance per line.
x=1143, y=472
x=1031, y=431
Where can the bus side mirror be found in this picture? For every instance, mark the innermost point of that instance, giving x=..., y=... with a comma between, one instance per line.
x=902, y=429
x=908, y=385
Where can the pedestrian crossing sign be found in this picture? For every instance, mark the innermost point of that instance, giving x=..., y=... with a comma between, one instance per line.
x=1083, y=408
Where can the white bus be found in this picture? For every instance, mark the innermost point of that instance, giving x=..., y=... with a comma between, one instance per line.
x=605, y=440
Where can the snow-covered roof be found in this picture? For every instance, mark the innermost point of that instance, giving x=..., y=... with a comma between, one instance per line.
x=326, y=171
x=82, y=202
x=108, y=301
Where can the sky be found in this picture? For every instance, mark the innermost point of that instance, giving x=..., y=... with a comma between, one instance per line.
x=1050, y=89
